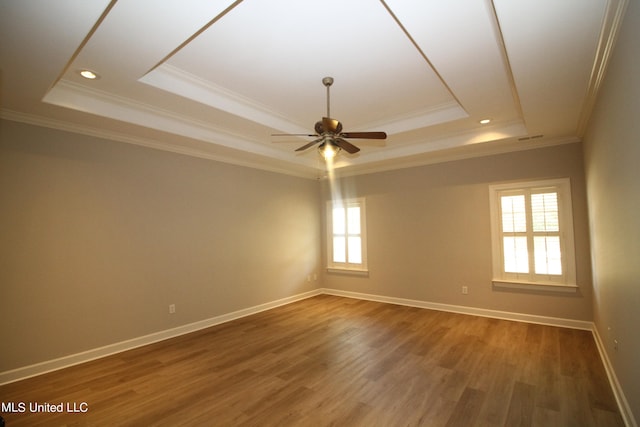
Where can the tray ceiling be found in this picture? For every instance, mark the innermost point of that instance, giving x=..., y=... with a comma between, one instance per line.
x=216, y=78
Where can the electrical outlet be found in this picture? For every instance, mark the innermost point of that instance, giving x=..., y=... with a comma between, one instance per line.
x=465, y=290
x=172, y=308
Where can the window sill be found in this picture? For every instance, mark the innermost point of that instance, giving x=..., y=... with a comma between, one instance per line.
x=348, y=271
x=533, y=286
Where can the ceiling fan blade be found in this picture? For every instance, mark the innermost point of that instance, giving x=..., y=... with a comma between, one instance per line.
x=331, y=125
x=304, y=147
x=346, y=146
x=364, y=135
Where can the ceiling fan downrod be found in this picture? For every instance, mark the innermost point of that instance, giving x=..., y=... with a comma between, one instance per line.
x=328, y=81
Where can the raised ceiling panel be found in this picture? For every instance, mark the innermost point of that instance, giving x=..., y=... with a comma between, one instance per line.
x=222, y=76
x=274, y=54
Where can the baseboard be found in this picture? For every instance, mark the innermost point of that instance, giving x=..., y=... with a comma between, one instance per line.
x=96, y=353
x=505, y=315
x=623, y=404
x=75, y=359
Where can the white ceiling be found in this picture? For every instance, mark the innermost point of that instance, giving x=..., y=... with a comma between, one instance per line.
x=215, y=78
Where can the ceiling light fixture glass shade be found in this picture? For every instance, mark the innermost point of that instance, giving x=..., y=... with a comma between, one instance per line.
x=328, y=149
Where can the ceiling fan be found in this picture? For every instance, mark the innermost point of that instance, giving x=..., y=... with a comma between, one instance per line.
x=330, y=135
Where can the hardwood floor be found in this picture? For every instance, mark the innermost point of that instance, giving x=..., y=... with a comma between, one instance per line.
x=332, y=361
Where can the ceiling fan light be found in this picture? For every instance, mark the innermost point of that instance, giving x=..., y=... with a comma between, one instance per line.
x=328, y=150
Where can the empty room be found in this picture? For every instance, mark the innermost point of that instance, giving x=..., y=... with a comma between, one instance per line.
x=314, y=213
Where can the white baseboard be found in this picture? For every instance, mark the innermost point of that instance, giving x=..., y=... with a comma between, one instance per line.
x=96, y=353
x=505, y=315
x=623, y=404
x=75, y=359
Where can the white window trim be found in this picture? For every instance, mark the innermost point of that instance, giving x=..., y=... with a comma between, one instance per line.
x=511, y=281
x=346, y=267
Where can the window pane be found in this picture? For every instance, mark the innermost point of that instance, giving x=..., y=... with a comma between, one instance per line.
x=338, y=221
x=339, y=249
x=516, y=255
x=514, y=218
x=355, y=250
x=353, y=220
x=547, y=255
x=544, y=211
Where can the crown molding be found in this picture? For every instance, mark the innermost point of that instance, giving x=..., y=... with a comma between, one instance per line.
x=179, y=82
x=608, y=35
x=30, y=119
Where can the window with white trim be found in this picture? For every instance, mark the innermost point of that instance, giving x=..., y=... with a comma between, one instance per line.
x=346, y=240
x=532, y=235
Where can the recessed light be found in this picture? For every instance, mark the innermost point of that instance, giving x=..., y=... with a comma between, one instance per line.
x=485, y=121
x=88, y=74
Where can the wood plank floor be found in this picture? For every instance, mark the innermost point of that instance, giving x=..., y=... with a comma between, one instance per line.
x=331, y=361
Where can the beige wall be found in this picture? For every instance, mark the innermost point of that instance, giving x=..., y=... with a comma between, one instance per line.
x=612, y=159
x=428, y=232
x=99, y=237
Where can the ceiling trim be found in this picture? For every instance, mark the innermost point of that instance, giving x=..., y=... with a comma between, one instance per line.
x=179, y=82
x=71, y=95
x=506, y=62
x=31, y=119
x=439, y=114
x=470, y=141
x=608, y=35
x=378, y=164
x=420, y=51
x=453, y=154
x=195, y=35
x=84, y=42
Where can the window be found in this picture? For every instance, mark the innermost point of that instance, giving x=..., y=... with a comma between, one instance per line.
x=532, y=235
x=346, y=230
